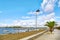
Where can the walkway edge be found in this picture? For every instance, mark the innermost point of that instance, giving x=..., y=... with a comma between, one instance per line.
x=32, y=36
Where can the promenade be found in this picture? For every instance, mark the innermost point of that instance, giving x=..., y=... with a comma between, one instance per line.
x=48, y=36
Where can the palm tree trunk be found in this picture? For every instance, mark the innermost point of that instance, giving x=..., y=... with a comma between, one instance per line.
x=51, y=29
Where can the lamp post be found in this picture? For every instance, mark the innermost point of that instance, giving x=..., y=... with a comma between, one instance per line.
x=37, y=11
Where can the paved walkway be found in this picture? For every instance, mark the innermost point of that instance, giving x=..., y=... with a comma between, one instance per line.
x=48, y=36
x=29, y=37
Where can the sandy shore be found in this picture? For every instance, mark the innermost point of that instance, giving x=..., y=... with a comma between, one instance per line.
x=17, y=36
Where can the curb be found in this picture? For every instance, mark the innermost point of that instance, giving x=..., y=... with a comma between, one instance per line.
x=33, y=36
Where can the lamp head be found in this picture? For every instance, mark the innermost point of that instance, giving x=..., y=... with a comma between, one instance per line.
x=38, y=10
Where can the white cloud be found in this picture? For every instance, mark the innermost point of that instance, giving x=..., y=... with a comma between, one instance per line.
x=23, y=22
x=41, y=12
x=58, y=17
x=3, y=25
x=44, y=3
x=32, y=21
x=48, y=5
x=58, y=22
x=49, y=16
x=25, y=17
x=59, y=4
x=33, y=13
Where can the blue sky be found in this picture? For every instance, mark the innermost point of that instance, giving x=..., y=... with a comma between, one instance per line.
x=16, y=11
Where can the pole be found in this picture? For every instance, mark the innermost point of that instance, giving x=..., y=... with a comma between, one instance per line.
x=36, y=21
x=37, y=11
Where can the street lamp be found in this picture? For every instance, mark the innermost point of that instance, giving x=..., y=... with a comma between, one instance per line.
x=37, y=11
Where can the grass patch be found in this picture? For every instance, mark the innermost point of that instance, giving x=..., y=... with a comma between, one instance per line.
x=17, y=36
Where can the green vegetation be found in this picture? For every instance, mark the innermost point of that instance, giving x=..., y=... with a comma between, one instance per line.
x=57, y=28
x=12, y=27
x=51, y=25
x=16, y=27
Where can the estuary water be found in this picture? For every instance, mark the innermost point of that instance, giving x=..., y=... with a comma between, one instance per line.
x=16, y=30
x=11, y=30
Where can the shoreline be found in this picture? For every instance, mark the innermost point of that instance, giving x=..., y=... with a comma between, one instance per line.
x=17, y=36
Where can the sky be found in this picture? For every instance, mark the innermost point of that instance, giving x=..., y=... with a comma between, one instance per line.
x=22, y=12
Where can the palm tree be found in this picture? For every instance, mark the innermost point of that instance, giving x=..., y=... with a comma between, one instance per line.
x=51, y=25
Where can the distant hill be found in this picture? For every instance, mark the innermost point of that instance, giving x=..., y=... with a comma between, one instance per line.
x=12, y=27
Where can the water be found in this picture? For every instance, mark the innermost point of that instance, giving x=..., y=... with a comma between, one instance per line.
x=11, y=30
x=16, y=30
